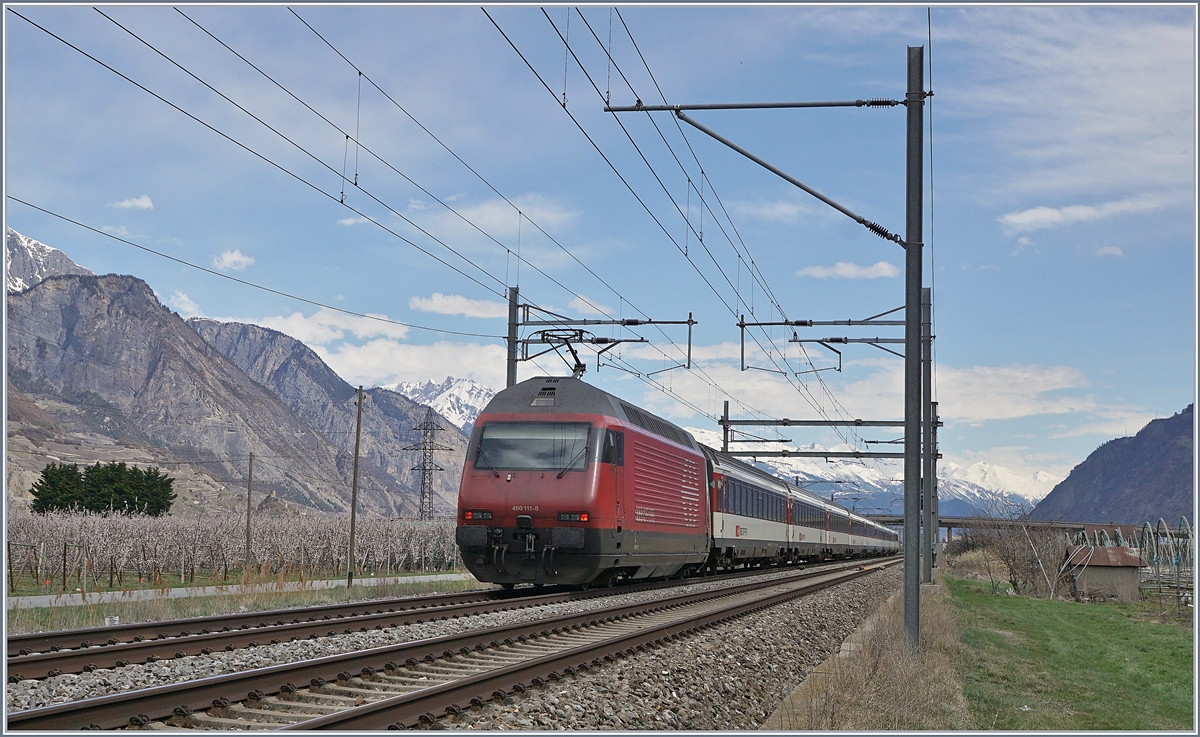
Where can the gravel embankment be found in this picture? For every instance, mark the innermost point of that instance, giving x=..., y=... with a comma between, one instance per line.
x=30, y=694
x=730, y=677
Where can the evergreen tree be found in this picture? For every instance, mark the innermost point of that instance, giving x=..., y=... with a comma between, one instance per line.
x=59, y=487
x=114, y=487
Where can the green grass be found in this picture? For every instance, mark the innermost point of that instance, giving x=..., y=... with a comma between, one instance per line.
x=1031, y=664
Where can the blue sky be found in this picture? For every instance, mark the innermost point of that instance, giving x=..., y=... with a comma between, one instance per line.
x=1060, y=232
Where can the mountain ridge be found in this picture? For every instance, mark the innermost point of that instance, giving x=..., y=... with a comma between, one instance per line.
x=1131, y=480
x=27, y=262
x=458, y=400
x=106, y=345
x=295, y=373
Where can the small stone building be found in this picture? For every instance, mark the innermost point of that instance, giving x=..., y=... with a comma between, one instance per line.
x=1105, y=571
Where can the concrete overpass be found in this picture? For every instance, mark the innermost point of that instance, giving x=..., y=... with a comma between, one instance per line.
x=1130, y=532
x=961, y=523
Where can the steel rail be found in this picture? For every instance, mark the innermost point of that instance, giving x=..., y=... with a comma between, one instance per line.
x=420, y=708
x=44, y=641
x=43, y=655
x=162, y=702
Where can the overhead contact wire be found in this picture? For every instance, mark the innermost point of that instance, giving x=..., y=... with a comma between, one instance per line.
x=315, y=158
x=757, y=277
x=246, y=148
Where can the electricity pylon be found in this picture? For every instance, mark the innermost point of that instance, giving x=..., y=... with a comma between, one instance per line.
x=427, y=466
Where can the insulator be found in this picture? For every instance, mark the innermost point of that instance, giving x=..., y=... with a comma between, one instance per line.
x=882, y=232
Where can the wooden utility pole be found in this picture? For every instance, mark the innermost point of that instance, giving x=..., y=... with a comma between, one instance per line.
x=249, y=491
x=354, y=490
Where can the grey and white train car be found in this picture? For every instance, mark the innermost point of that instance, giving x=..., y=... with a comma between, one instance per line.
x=760, y=519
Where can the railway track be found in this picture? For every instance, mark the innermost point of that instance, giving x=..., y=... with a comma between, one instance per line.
x=43, y=655
x=412, y=683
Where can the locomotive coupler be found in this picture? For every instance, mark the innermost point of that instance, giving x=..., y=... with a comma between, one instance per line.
x=498, y=557
x=548, y=566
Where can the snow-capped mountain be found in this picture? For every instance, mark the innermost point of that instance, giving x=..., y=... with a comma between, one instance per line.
x=1033, y=487
x=27, y=262
x=876, y=486
x=458, y=400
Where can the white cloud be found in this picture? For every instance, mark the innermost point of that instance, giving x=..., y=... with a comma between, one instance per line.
x=1110, y=251
x=416, y=205
x=987, y=267
x=847, y=270
x=978, y=393
x=454, y=304
x=1111, y=422
x=1085, y=99
x=386, y=361
x=352, y=221
x=184, y=305
x=134, y=203
x=325, y=326
x=1050, y=217
x=233, y=260
x=499, y=218
x=117, y=230
x=586, y=306
x=779, y=211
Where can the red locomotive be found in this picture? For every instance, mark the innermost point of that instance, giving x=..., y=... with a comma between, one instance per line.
x=567, y=484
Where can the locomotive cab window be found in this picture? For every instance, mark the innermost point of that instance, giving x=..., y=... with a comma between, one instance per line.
x=614, y=448
x=533, y=446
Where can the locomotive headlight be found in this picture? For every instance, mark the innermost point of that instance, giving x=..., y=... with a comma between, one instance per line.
x=477, y=514
x=572, y=516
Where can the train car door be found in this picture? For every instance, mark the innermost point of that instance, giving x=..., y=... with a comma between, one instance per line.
x=613, y=453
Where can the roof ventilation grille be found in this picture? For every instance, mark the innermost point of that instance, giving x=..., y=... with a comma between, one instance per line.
x=650, y=423
x=545, y=396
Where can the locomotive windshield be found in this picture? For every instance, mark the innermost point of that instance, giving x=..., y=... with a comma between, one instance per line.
x=533, y=446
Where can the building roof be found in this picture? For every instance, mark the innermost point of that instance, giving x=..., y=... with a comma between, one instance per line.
x=1085, y=555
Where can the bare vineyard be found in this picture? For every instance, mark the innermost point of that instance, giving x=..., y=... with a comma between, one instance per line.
x=103, y=549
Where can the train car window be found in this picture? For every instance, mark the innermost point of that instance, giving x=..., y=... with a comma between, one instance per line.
x=614, y=448
x=533, y=446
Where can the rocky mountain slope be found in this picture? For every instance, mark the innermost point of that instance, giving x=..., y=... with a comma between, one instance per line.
x=119, y=365
x=27, y=262
x=298, y=376
x=458, y=400
x=1131, y=480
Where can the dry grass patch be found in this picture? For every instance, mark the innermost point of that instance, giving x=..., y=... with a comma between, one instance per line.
x=884, y=686
x=44, y=619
